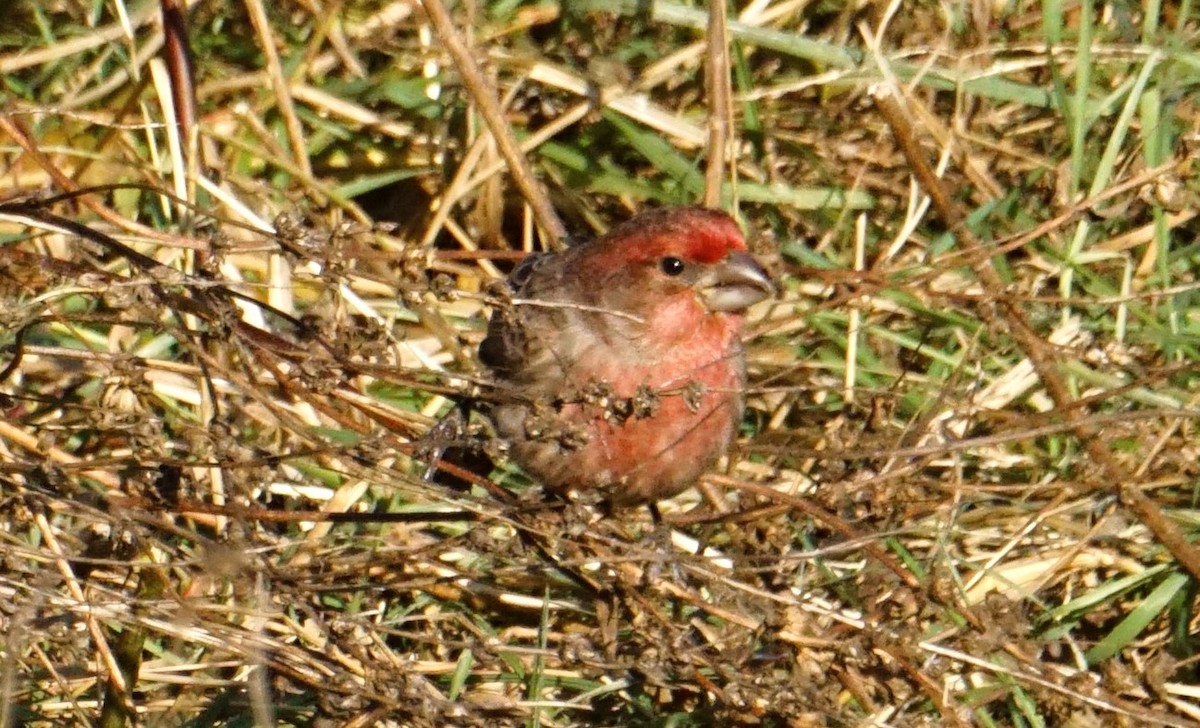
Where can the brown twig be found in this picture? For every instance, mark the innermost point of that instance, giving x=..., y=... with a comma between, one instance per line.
x=486, y=98
x=716, y=83
x=1005, y=314
x=279, y=84
x=178, y=56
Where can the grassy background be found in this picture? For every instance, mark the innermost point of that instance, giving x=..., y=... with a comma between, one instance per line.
x=924, y=527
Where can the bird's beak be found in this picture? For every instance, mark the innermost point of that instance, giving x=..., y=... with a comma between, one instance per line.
x=735, y=284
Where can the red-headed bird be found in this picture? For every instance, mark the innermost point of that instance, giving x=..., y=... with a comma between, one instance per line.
x=619, y=362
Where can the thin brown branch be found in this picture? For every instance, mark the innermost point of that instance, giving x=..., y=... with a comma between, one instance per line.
x=279, y=84
x=178, y=56
x=716, y=77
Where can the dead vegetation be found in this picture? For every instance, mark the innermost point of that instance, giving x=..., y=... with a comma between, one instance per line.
x=965, y=490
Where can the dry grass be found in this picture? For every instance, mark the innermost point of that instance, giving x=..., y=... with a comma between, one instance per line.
x=971, y=438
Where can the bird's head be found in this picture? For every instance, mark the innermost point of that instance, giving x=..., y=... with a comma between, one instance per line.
x=678, y=267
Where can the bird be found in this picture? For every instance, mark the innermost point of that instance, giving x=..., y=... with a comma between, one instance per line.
x=618, y=363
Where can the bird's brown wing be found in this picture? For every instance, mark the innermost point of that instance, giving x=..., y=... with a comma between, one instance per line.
x=505, y=350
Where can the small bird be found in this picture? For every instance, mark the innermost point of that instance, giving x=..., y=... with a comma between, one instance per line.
x=618, y=362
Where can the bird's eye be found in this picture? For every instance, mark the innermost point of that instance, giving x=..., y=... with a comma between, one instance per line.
x=671, y=265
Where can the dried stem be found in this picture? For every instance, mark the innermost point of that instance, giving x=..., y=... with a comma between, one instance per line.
x=716, y=76
x=283, y=94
